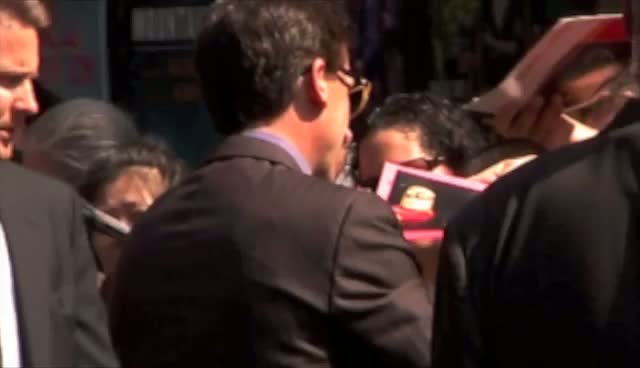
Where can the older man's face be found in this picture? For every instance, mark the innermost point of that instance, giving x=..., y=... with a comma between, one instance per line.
x=19, y=63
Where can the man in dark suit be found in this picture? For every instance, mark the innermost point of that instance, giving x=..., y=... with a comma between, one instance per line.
x=60, y=318
x=50, y=312
x=543, y=269
x=257, y=260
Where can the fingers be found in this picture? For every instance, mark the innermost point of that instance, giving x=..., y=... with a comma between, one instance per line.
x=519, y=124
x=543, y=122
x=503, y=120
x=549, y=120
x=539, y=121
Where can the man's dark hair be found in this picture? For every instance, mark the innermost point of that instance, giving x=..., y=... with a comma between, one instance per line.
x=444, y=129
x=34, y=13
x=147, y=153
x=250, y=54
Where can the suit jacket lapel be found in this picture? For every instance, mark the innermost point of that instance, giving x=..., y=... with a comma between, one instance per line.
x=243, y=146
x=30, y=272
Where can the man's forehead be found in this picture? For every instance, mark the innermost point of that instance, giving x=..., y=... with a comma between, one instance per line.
x=19, y=53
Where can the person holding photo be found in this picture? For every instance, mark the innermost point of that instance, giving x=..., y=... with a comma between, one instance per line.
x=542, y=269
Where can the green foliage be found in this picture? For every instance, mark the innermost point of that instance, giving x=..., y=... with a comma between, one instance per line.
x=451, y=15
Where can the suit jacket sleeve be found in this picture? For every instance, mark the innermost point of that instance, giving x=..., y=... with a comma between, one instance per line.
x=378, y=290
x=456, y=342
x=92, y=343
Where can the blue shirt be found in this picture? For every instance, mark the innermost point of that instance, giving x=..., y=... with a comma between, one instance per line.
x=302, y=162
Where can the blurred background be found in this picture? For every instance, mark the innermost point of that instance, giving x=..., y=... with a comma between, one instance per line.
x=137, y=53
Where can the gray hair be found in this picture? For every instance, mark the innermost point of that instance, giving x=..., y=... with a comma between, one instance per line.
x=73, y=135
x=34, y=13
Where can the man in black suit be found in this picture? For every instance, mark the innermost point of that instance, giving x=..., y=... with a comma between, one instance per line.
x=257, y=260
x=61, y=321
x=50, y=312
x=543, y=269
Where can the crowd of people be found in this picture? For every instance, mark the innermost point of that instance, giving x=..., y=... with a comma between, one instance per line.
x=276, y=251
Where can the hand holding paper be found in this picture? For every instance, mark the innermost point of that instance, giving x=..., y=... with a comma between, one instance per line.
x=543, y=122
x=552, y=96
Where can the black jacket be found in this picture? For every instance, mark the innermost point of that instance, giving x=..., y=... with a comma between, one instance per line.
x=61, y=319
x=543, y=270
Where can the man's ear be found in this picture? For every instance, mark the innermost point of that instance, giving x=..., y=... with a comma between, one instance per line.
x=317, y=86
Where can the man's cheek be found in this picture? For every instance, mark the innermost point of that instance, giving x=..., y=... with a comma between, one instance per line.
x=6, y=150
x=5, y=102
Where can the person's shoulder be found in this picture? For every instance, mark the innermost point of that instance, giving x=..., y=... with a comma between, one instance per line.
x=369, y=202
x=563, y=172
x=25, y=182
x=364, y=210
x=323, y=193
x=549, y=168
x=556, y=181
x=36, y=196
x=329, y=202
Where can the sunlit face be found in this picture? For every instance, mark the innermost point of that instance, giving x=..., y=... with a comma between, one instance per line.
x=126, y=198
x=599, y=114
x=418, y=198
x=583, y=87
x=390, y=145
x=495, y=172
x=19, y=63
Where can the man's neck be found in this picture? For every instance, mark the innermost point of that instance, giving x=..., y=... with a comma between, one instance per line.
x=291, y=139
x=295, y=129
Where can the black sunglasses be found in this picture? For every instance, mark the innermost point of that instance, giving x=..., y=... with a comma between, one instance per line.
x=416, y=163
x=359, y=89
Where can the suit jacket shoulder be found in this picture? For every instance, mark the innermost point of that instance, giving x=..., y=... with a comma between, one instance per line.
x=300, y=262
x=542, y=176
x=543, y=251
x=31, y=186
x=62, y=319
x=378, y=290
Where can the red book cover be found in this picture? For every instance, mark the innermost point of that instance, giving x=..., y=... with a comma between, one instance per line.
x=538, y=69
x=424, y=201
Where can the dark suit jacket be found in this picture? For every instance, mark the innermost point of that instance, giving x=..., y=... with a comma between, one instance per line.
x=544, y=269
x=62, y=322
x=251, y=263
